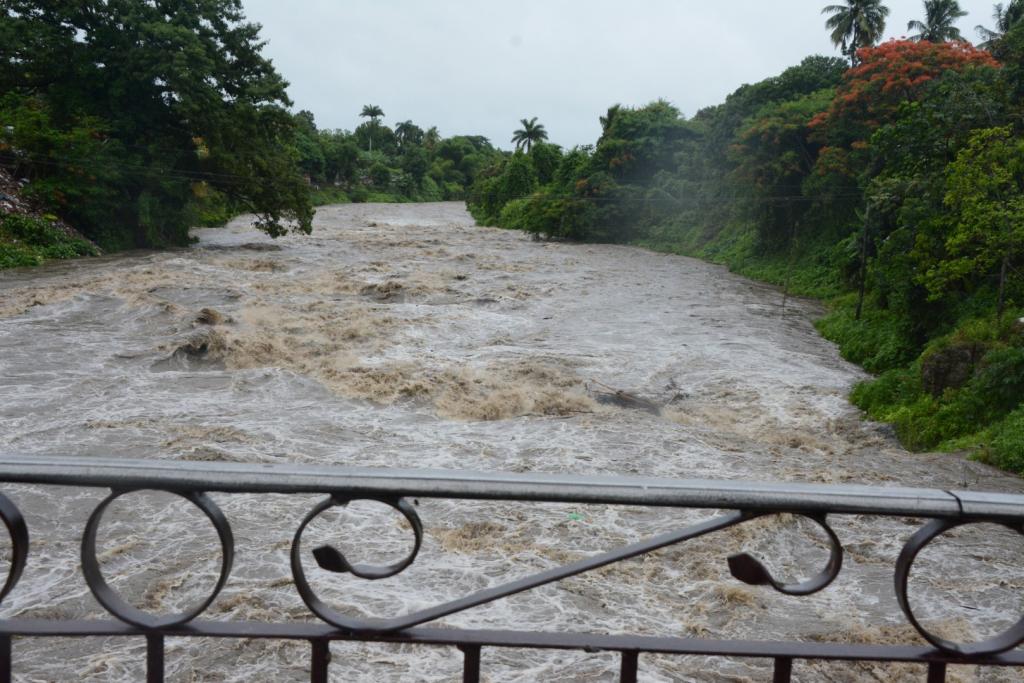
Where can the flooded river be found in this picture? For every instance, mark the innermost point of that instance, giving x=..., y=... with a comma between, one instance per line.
x=404, y=336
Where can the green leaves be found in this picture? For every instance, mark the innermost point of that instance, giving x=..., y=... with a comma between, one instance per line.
x=986, y=204
x=176, y=96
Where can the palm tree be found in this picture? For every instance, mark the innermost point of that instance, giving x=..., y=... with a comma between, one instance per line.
x=373, y=112
x=530, y=133
x=1006, y=17
x=856, y=24
x=939, y=17
x=408, y=133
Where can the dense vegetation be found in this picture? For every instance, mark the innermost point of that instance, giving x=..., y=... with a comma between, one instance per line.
x=892, y=184
x=134, y=120
x=30, y=240
x=376, y=162
x=120, y=113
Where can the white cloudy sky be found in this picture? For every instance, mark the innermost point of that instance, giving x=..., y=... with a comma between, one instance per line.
x=478, y=66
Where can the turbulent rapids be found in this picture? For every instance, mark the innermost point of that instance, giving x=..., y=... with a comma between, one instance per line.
x=404, y=336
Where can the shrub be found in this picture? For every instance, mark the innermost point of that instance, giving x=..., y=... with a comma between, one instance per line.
x=1006, y=447
x=515, y=215
x=28, y=241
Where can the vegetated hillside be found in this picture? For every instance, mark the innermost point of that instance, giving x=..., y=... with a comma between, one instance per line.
x=894, y=188
x=28, y=236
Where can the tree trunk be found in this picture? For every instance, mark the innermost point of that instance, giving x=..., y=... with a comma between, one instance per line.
x=1002, y=288
x=863, y=263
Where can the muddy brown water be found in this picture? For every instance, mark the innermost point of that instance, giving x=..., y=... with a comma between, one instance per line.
x=404, y=336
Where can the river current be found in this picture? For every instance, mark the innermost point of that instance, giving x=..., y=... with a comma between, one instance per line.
x=405, y=336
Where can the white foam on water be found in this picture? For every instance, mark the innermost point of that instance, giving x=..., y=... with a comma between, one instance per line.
x=404, y=336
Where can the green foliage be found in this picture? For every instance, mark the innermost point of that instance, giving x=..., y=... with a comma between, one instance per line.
x=1005, y=443
x=329, y=195
x=986, y=201
x=380, y=176
x=881, y=340
x=376, y=163
x=973, y=415
x=529, y=135
x=938, y=25
x=29, y=241
x=186, y=96
x=857, y=24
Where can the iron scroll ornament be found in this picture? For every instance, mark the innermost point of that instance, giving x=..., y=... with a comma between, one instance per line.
x=334, y=560
x=1007, y=640
x=744, y=567
x=114, y=603
x=18, y=532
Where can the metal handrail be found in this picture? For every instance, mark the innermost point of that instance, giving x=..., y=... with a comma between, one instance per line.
x=739, y=501
x=229, y=477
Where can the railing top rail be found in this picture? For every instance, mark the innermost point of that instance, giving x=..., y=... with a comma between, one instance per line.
x=365, y=482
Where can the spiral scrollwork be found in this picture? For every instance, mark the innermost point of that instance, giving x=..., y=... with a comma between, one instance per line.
x=114, y=603
x=1007, y=640
x=333, y=560
x=18, y=532
x=748, y=569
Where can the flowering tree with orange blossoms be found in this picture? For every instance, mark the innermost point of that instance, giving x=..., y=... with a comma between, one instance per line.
x=887, y=76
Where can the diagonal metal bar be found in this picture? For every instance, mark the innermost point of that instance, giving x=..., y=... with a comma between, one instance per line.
x=536, y=580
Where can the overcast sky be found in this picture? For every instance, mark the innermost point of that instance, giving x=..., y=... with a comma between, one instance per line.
x=478, y=66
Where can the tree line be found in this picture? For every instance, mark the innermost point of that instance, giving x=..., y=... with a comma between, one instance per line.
x=890, y=181
x=377, y=162
x=135, y=120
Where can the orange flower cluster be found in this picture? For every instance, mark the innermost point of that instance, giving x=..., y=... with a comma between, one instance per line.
x=893, y=73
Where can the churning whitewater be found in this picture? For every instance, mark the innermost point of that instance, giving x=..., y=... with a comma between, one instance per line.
x=404, y=336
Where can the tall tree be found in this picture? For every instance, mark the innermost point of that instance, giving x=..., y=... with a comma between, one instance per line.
x=374, y=113
x=983, y=194
x=939, y=17
x=178, y=94
x=857, y=24
x=1005, y=17
x=408, y=133
x=530, y=133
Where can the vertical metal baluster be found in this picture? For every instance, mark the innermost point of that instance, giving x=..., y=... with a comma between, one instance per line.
x=321, y=661
x=470, y=663
x=154, y=659
x=630, y=664
x=783, y=670
x=5, y=659
x=937, y=672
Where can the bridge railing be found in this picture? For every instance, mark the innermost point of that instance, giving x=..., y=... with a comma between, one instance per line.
x=737, y=503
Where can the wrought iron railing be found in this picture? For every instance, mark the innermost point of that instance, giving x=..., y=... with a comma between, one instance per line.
x=742, y=502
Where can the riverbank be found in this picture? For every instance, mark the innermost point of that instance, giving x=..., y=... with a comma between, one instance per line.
x=958, y=392
x=28, y=236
